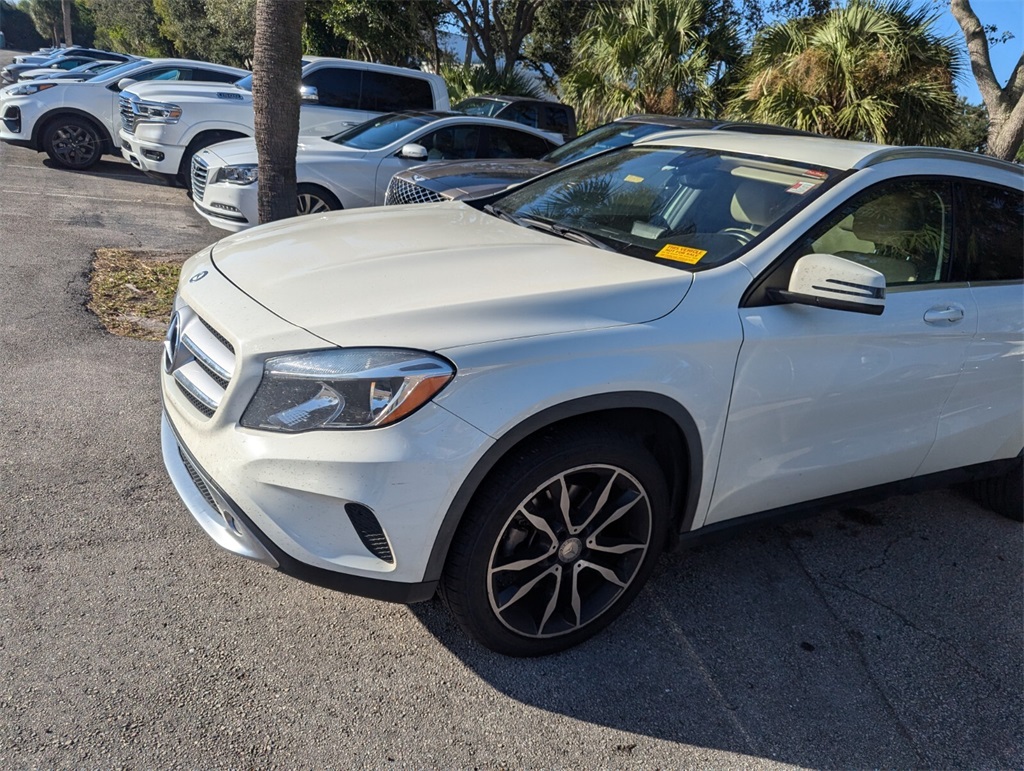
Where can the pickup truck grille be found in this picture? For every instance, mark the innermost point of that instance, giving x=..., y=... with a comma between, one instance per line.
x=129, y=118
x=400, y=191
x=200, y=359
x=200, y=173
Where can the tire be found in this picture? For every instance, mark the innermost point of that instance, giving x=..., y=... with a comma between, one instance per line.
x=315, y=200
x=1003, y=494
x=524, y=579
x=201, y=142
x=73, y=142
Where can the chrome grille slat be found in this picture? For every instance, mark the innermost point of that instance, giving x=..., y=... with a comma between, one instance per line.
x=201, y=361
x=200, y=172
x=129, y=118
x=402, y=191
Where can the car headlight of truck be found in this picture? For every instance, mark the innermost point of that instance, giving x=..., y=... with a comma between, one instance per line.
x=158, y=112
x=344, y=388
x=244, y=174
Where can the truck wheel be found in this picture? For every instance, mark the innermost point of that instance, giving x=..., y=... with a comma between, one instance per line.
x=557, y=542
x=315, y=200
x=201, y=142
x=72, y=142
x=1003, y=494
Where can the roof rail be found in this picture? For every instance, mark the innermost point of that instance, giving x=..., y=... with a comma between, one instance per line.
x=900, y=153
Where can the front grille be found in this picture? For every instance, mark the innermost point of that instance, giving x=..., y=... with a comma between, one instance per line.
x=129, y=118
x=200, y=173
x=401, y=192
x=200, y=359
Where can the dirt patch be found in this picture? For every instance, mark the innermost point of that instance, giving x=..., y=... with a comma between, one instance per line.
x=131, y=291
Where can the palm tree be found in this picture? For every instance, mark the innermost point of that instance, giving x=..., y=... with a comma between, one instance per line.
x=276, y=79
x=661, y=56
x=871, y=70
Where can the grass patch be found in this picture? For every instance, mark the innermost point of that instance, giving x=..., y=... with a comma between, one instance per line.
x=131, y=291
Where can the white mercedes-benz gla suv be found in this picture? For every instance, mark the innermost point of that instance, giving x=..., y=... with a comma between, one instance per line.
x=522, y=401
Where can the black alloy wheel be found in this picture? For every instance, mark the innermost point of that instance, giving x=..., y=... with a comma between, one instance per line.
x=557, y=543
x=72, y=142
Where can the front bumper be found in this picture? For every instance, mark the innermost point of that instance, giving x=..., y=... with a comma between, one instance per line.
x=295, y=501
x=154, y=158
x=17, y=118
x=228, y=207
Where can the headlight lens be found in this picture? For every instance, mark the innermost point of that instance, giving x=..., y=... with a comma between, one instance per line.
x=157, y=111
x=30, y=88
x=344, y=388
x=245, y=174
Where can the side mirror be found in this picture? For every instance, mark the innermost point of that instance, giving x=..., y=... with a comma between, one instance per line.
x=124, y=83
x=413, y=152
x=309, y=94
x=832, y=282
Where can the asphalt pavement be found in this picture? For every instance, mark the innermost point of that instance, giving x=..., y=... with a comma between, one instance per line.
x=889, y=635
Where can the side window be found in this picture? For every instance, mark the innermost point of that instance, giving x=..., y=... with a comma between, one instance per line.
x=900, y=228
x=990, y=234
x=214, y=76
x=524, y=113
x=451, y=143
x=336, y=86
x=161, y=73
x=387, y=92
x=509, y=143
x=556, y=118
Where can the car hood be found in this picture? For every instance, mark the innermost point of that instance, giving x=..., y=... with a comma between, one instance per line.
x=462, y=179
x=437, y=276
x=184, y=92
x=311, y=150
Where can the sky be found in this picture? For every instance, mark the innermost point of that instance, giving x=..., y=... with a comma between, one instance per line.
x=1008, y=16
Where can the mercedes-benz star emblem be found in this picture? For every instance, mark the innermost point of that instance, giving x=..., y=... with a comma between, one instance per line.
x=198, y=276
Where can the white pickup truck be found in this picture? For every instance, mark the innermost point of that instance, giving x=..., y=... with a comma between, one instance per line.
x=164, y=124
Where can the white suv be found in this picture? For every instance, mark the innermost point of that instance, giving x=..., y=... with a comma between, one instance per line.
x=164, y=124
x=522, y=403
x=75, y=123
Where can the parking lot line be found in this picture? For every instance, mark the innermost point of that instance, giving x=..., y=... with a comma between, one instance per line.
x=110, y=200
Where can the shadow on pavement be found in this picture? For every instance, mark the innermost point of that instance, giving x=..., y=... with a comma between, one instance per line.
x=862, y=638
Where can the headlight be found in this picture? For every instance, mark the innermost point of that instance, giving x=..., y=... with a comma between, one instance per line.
x=158, y=112
x=245, y=174
x=344, y=388
x=29, y=88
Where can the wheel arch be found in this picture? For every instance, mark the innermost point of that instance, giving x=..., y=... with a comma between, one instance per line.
x=198, y=141
x=46, y=118
x=668, y=431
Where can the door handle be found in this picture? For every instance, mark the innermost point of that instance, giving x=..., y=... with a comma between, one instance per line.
x=950, y=314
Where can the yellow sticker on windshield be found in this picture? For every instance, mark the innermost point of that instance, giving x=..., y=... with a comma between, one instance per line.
x=686, y=254
x=634, y=178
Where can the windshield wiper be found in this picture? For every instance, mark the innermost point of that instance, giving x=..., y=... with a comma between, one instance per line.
x=569, y=234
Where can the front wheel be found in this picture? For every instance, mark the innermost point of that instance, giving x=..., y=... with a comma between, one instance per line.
x=557, y=542
x=72, y=142
x=315, y=200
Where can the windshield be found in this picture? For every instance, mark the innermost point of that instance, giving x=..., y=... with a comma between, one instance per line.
x=477, y=106
x=688, y=207
x=123, y=70
x=605, y=137
x=381, y=132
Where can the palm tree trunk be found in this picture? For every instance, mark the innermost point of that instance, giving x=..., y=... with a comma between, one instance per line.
x=276, y=79
x=65, y=7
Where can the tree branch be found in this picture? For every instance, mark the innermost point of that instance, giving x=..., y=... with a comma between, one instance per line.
x=977, y=50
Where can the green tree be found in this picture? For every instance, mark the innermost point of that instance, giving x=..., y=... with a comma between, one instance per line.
x=496, y=30
x=18, y=27
x=971, y=130
x=549, y=48
x=468, y=80
x=400, y=32
x=872, y=70
x=131, y=26
x=660, y=56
